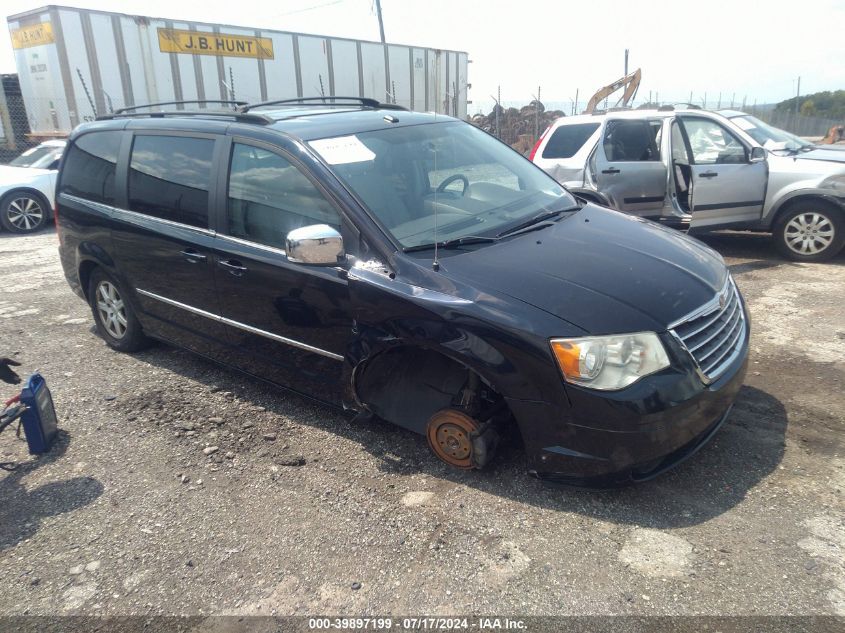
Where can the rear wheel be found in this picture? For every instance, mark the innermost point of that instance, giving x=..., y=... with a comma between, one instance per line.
x=115, y=319
x=23, y=212
x=811, y=231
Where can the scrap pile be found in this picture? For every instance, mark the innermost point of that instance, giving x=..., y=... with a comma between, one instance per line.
x=519, y=128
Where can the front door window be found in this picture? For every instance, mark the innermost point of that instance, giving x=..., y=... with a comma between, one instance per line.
x=712, y=144
x=269, y=197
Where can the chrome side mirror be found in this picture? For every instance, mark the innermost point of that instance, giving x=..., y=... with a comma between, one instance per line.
x=317, y=245
x=758, y=155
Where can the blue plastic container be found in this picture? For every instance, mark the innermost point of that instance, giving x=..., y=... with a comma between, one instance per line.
x=39, y=419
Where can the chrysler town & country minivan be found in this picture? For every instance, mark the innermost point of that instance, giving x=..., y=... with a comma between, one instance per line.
x=409, y=267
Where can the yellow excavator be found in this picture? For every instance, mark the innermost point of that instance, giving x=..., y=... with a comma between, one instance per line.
x=631, y=83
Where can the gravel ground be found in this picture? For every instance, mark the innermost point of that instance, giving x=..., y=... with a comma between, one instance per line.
x=178, y=487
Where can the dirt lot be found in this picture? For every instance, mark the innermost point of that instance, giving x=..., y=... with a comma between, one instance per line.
x=300, y=511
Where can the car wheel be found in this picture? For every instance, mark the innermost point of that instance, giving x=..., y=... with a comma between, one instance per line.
x=23, y=212
x=811, y=231
x=115, y=319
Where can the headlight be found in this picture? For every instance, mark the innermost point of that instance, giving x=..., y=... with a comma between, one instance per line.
x=609, y=362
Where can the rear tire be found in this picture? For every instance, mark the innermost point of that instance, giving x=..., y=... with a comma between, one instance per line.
x=811, y=231
x=113, y=314
x=23, y=212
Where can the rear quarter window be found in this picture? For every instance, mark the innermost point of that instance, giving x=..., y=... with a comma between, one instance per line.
x=89, y=167
x=566, y=140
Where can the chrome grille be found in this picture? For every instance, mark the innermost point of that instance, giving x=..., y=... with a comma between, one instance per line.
x=713, y=334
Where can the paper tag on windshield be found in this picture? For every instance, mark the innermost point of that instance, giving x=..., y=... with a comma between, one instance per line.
x=342, y=150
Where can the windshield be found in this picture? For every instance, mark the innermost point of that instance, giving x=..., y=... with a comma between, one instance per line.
x=474, y=184
x=40, y=157
x=772, y=138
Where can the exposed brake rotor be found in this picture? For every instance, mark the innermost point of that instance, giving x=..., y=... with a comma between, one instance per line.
x=454, y=437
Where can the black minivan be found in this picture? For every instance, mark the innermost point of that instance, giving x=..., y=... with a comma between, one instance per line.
x=407, y=266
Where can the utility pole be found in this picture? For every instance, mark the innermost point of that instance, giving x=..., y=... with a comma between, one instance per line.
x=626, y=62
x=575, y=107
x=380, y=20
x=384, y=45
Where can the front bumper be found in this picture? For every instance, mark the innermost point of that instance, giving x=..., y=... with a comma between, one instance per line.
x=605, y=440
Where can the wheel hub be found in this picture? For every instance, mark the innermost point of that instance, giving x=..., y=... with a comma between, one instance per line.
x=25, y=213
x=809, y=233
x=450, y=435
x=111, y=309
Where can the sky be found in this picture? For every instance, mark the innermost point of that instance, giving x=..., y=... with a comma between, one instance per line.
x=745, y=50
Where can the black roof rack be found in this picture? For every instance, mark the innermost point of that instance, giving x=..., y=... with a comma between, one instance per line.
x=236, y=104
x=240, y=110
x=338, y=102
x=241, y=117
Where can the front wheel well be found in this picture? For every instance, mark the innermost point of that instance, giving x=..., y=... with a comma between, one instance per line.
x=792, y=203
x=406, y=385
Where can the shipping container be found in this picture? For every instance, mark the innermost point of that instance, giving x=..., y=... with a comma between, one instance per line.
x=75, y=64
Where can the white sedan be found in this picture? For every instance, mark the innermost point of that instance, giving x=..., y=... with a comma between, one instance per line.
x=27, y=188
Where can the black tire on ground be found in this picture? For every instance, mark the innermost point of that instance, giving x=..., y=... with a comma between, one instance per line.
x=24, y=212
x=810, y=231
x=113, y=314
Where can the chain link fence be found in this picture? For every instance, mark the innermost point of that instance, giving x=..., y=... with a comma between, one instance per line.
x=809, y=126
x=14, y=126
x=18, y=130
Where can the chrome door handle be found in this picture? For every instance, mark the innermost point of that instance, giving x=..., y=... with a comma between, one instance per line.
x=233, y=266
x=193, y=256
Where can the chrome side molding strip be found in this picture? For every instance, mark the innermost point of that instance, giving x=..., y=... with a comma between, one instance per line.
x=242, y=326
x=130, y=216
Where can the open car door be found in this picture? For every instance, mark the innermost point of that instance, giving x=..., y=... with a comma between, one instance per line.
x=726, y=186
x=629, y=169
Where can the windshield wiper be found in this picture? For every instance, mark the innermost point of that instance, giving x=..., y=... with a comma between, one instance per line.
x=458, y=241
x=538, y=220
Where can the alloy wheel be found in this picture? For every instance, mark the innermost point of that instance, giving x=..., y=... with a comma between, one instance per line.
x=111, y=309
x=809, y=233
x=25, y=213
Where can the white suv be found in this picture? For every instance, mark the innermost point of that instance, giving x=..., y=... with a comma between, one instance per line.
x=695, y=169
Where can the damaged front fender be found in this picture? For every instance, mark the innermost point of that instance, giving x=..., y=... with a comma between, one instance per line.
x=400, y=328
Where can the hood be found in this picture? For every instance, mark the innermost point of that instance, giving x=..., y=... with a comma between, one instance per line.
x=11, y=175
x=603, y=271
x=824, y=153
